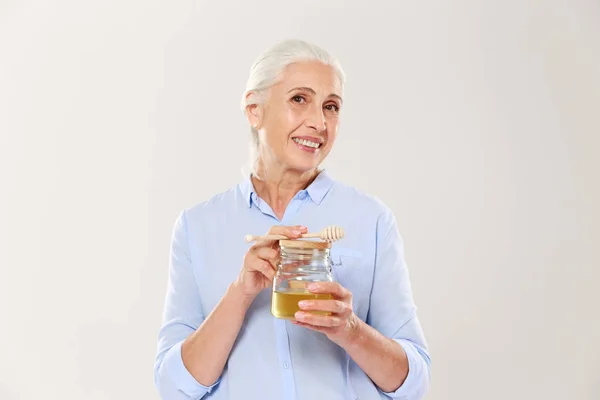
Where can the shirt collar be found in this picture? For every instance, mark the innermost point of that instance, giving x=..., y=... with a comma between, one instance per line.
x=316, y=190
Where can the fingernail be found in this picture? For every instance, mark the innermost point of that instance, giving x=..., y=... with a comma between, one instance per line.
x=303, y=304
x=303, y=228
x=299, y=315
x=313, y=286
x=296, y=232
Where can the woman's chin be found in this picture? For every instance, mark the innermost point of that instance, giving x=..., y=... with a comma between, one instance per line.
x=304, y=167
x=302, y=163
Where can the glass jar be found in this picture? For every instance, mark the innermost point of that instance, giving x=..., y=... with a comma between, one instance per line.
x=301, y=262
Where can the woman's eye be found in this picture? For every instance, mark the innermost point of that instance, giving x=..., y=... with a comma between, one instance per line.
x=298, y=99
x=332, y=107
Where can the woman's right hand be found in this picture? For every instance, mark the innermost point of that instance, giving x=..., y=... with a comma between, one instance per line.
x=260, y=261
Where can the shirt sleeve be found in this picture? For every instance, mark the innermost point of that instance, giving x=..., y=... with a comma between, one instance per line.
x=182, y=315
x=393, y=312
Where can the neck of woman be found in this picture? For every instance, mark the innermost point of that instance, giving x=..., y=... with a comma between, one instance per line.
x=278, y=185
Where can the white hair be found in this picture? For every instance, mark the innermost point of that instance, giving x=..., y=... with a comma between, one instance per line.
x=267, y=69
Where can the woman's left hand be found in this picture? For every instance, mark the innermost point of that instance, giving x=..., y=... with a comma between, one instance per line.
x=341, y=324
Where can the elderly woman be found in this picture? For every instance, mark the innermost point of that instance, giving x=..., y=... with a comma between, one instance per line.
x=219, y=339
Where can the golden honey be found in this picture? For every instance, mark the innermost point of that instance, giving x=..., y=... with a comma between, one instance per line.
x=285, y=304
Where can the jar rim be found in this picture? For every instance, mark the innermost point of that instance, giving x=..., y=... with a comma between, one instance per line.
x=305, y=244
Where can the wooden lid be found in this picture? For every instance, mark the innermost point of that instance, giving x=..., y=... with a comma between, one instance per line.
x=305, y=244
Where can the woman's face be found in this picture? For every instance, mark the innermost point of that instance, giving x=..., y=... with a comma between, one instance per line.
x=299, y=120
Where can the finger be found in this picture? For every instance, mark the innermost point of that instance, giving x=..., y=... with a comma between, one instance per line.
x=268, y=254
x=334, y=288
x=292, y=232
x=322, y=329
x=260, y=255
x=330, y=321
x=265, y=268
x=334, y=306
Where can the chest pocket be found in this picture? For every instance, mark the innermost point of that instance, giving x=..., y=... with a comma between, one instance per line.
x=350, y=269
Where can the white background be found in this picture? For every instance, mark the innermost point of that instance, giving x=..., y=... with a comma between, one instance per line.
x=477, y=122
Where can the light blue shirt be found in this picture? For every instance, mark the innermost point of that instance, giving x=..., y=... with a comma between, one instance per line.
x=273, y=359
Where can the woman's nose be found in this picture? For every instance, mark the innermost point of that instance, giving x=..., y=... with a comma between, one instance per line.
x=316, y=119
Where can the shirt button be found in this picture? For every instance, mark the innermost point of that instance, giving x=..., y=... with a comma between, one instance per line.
x=286, y=365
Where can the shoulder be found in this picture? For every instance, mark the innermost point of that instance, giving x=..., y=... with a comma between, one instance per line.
x=213, y=206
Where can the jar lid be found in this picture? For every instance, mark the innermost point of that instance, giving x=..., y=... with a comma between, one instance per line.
x=305, y=244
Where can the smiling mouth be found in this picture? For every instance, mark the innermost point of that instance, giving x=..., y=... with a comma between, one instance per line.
x=307, y=143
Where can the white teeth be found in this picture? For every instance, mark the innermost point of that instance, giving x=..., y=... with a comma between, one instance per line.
x=307, y=143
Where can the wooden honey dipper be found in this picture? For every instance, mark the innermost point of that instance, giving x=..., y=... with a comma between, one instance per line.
x=330, y=233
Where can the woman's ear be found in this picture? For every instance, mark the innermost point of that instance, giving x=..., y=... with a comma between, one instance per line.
x=253, y=112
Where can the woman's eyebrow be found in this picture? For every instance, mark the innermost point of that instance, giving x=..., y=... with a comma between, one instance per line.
x=305, y=88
